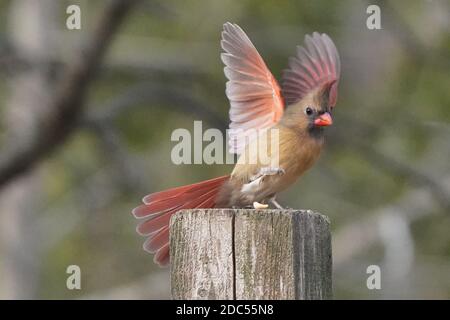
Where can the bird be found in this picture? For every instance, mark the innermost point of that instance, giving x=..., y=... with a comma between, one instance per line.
x=298, y=112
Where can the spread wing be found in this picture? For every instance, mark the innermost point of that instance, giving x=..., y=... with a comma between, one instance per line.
x=254, y=94
x=315, y=65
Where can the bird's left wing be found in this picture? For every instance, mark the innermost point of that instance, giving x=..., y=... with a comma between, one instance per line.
x=255, y=96
x=315, y=65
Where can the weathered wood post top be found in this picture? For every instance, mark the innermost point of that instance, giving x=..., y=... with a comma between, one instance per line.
x=250, y=254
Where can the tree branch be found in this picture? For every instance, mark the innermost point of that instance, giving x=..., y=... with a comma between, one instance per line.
x=153, y=93
x=54, y=127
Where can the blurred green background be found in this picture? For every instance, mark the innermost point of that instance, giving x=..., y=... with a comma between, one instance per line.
x=383, y=179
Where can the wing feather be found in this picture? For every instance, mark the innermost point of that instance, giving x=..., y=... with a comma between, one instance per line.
x=316, y=64
x=254, y=94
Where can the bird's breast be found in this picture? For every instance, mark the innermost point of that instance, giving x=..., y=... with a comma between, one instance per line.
x=296, y=154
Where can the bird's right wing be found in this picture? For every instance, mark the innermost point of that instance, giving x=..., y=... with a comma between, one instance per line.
x=254, y=94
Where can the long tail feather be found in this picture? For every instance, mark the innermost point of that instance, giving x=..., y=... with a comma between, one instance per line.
x=158, y=207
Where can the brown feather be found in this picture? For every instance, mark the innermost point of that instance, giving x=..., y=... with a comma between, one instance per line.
x=297, y=152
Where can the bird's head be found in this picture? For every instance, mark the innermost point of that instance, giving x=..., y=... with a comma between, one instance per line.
x=313, y=111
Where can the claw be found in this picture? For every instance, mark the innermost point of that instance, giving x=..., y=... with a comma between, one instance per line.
x=258, y=205
x=267, y=171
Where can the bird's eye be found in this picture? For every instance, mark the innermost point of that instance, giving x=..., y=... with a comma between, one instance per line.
x=309, y=111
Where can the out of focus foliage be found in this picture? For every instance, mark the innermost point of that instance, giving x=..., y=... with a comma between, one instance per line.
x=390, y=140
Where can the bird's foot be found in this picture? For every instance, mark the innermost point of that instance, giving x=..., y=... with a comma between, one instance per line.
x=266, y=171
x=271, y=171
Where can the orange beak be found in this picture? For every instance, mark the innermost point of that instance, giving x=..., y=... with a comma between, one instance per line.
x=324, y=120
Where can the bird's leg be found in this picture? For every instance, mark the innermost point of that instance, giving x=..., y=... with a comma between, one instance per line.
x=258, y=178
x=275, y=203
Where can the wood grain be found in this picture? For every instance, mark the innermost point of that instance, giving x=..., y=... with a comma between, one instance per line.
x=250, y=254
x=201, y=245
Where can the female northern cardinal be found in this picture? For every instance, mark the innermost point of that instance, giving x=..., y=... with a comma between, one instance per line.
x=309, y=90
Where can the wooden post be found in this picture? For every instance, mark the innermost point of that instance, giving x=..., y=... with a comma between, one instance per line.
x=250, y=254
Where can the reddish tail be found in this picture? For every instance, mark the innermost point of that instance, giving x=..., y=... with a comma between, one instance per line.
x=158, y=207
